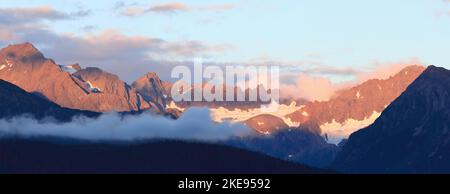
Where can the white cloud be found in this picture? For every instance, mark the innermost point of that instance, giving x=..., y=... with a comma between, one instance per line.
x=309, y=88
x=174, y=7
x=195, y=124
x=127, y=56
x=36, y=14
x=168, y=7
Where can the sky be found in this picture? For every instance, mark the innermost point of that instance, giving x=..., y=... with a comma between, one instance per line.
x=338, y=40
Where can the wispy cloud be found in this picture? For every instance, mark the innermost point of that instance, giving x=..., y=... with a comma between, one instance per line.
x=37, y=14
x=6, y=34
x=133, y=11
x=174, y=7
x=88, y=28
x=217, y=8
x=320, y=69
x=444, y=11
x=169, y=7
x=128, y=56
x=119, y=5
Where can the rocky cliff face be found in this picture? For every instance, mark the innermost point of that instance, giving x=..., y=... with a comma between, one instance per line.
x=89, y=89
x=411, y=135
x=109, y=92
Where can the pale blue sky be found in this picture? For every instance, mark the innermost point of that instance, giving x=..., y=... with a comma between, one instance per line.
x=344, y=34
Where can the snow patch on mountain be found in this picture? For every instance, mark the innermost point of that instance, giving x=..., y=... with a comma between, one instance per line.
x=336, y=131
x=289, y=122
x=92, y=88
x=172, y=105
x=222, y=114
x=304, y=113
x=8, y=64
x=358, y=95
x=68, y=68
x=263, y=132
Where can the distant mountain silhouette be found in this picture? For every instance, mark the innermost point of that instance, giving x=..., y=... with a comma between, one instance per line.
x=69, y=156
x=412, y=135
x=15, y=101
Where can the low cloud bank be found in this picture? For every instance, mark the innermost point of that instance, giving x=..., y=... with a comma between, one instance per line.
x=195, y=124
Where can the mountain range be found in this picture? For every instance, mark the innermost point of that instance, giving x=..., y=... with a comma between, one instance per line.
x=404, y=120
x=42, y=154
x=94, y=89
x=347, y=111
x=320, y=129
x=86, y=89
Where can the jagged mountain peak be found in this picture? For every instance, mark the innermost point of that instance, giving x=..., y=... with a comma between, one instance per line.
x=412, y=67
x=433, y=71
x=151, y=75
x=21, y=52
x=24, y=47
x=152, y=89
